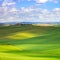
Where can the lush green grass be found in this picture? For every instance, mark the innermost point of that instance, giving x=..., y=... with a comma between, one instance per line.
x=29, y=43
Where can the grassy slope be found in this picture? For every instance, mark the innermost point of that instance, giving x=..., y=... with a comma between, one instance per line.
x=29, y=43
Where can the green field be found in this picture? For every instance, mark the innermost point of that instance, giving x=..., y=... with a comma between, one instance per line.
x=29, y=42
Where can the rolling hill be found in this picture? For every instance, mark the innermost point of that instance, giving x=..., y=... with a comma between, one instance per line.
x=29, y=42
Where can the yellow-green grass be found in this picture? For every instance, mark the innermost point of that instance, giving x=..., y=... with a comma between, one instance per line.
x=6, y=56
x=30, y=51
x=29, y=43
x=22, y=35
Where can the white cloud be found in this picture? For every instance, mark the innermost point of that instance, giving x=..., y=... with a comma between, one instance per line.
x=8, y=2
x=42, y=15
x=2, y=20
x=40, y=1
x=44, y=1
x=56, y=9
x=30, y=14
x=27, y=10
x=13, y=10
x=54, y=1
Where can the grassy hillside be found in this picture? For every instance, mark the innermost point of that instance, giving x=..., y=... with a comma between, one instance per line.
x=29, y=43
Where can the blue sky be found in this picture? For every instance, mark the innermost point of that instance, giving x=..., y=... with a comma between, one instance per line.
x=29, y=10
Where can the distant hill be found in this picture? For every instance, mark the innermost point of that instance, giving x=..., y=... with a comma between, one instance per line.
x=21, y=23
x=40, y=22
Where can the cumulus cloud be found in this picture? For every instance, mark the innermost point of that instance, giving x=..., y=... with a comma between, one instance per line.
x=8, y=2
x=54, y=1
x=44, y=1
x=9, y=13
x=56, y=9
x=30, y=14
x=41, y=1
x=13, y=10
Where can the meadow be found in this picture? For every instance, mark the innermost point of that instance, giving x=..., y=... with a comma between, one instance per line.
x=29, y=42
